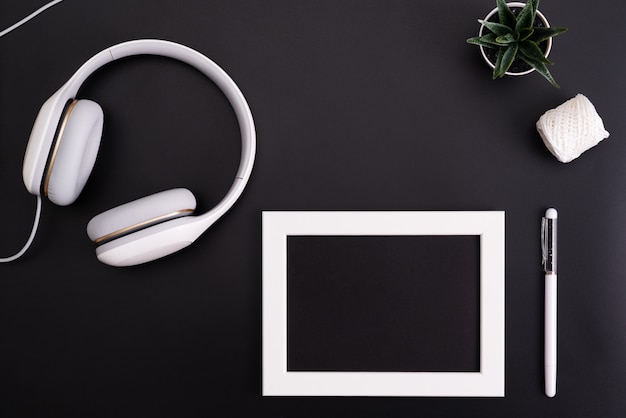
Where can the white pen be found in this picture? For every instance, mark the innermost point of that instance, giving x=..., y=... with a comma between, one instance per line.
x=548, y=250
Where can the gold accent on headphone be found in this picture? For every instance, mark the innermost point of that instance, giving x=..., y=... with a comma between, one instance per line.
x=144, y=224
x=57, y=143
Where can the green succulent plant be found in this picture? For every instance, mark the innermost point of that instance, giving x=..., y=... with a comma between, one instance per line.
x=516, y=37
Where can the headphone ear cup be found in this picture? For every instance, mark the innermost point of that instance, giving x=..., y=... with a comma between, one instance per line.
x=140, y=214
x=76, y=151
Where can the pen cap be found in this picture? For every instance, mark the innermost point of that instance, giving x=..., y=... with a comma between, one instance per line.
x=548, y=240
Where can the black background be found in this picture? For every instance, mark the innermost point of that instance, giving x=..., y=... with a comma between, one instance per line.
x=359, y=105
x=383, y=303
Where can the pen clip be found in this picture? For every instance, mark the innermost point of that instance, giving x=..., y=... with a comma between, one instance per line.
x=544, y=246
x=548, y=245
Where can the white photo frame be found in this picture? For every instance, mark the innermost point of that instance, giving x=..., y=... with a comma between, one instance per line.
x=487, y=382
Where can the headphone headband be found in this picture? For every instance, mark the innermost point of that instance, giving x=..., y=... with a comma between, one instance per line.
x=45, y=126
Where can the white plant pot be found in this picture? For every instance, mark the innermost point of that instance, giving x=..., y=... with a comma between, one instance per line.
x=516, y=4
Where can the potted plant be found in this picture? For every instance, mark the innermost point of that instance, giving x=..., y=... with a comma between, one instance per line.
x=517, y=39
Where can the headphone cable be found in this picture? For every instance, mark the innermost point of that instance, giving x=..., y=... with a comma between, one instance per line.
x=38, y=210
x=30, y=238
x=29, y=17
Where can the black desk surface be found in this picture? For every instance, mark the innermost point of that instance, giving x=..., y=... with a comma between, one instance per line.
x=359, y=105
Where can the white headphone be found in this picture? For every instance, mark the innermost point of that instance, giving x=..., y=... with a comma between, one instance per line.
x=62, y=150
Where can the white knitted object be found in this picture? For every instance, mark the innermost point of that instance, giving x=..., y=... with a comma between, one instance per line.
x=571, y=128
